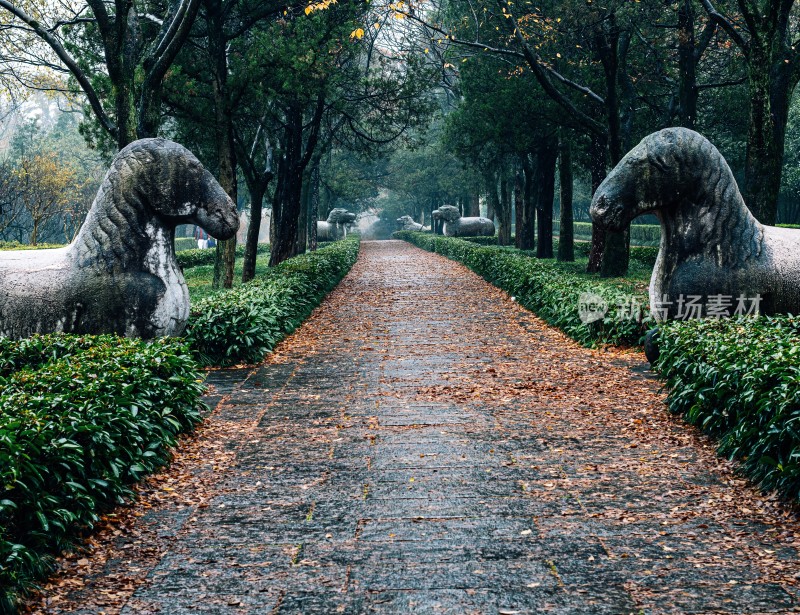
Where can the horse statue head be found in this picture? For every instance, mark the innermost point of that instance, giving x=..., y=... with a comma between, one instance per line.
x=153, y=185
x=678, y=175
x=449, y=213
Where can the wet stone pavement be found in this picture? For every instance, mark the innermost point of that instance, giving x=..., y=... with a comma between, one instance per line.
x=423, y=445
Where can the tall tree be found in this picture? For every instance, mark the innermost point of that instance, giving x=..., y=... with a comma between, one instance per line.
x=566, y=243
x=765, y=32
x=118, y=53
x=546, y=158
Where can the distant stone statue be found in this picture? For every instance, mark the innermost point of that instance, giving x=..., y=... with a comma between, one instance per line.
x=456, y=226
x=408, y=224
x=263, y=229
x=715, y=258
x=120, y=274
x=336, y=226
x=436, y=222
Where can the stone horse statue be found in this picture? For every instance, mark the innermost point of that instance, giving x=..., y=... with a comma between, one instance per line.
x=436, y=222
x=120, y=274
x=711, y=245
x=408, y=224
x=456, y=226
x=336, y=226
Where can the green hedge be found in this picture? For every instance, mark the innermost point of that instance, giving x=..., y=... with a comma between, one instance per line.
x=646, y=255
x=243, y=324
x=739, y=380
x=15, y=245
x=641, y=234
x=185, y=243
x=551, y=293
x=194, y=258
x=81, y=418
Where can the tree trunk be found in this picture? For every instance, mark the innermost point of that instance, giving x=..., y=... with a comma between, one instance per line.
x=597, y=162
x=285, y=217
x=287, y=202
x=253, y=230
x=545, y=187
x=518, y=206
x=474, y=205
x=492, y=198
x=769, y=102
x=616, y=254
x=223, y=127
x=504, y=213
x=526, y=228
x=122, y=70
x=125, y=108
x=566, y=243
x=687, y=66
x=312, y=223
x=304, y=217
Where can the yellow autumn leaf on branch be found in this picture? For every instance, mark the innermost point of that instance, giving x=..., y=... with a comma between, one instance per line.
x=357, y=33
x=319, y=6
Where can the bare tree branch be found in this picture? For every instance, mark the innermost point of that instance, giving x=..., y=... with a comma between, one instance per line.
x=726, y=25
x=69, y=62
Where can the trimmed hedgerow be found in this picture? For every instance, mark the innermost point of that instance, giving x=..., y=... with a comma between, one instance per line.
x=739, y=380
x=81, y=419
x=243, y=324
x=645, y=255
x=553, y=294
x=185, y=243
x=196, y=257
x=641, y=234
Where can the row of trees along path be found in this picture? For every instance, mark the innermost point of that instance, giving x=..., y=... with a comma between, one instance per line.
x=423, y=444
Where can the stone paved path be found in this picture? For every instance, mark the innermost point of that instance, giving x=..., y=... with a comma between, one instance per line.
x=424, y=445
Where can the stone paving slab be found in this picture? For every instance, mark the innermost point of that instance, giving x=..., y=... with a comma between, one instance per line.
x=424, y=445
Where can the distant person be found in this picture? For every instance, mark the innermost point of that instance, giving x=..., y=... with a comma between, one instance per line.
x=202, y=238
x=212, y=243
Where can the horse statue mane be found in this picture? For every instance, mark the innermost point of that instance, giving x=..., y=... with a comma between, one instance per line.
x=457, y=226
x=711, y=245
x=119, y=275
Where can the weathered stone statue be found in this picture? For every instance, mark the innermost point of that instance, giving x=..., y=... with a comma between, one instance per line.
x=436, y=222
x=408, y=224
x=120, y=274
x=456, y=226
x=336, y=226
x=263, y=229
x=342, y=217
x=714, y=254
